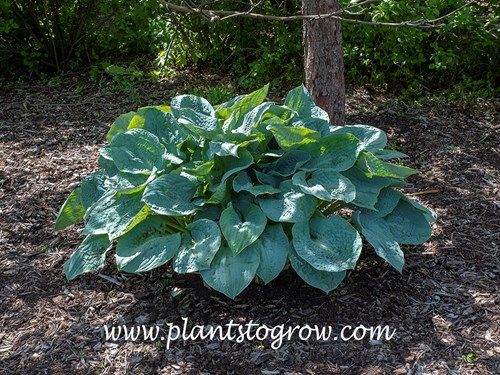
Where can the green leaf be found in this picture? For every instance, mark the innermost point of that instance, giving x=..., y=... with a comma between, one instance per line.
x=89, y=256
x=147, y=246
x=71, y=211
x=408, y=225
x=317, y=124
x=288, y=164
x=137, y=151
x=230, y=274
x=273, y=248
x=326, y=281
x=240, y=232
x=198, y=248
x=117, y=215
x=301, y=101
x=372, y=166
x=327, y=185
x=371, y=139
x=222, y=149
x=80, y=200
x=194, y=103
x=170, y=195
x=251, y=119
x=242, y=103
x=128, y=182
x=291, y=205
x=428, y=214
x=337, y=152
x=122, y=124
x=233, y=165
x=377, y=233
x=367, y=189
x=289, y=137
x=198, y=168
x=328, y=244
x=389, y=154
x=243, y=182
x=387, y=201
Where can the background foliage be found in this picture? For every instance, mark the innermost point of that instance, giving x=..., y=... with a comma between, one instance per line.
x=69, y=34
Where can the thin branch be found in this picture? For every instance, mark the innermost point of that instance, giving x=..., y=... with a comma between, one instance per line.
x=219, y=15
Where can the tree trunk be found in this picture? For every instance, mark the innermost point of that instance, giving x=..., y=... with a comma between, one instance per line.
x=323, y=59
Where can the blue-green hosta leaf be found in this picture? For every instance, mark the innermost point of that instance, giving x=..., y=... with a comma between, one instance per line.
x=301, y=101
x=117, y=215
x=428, y=214
x=266, y=179
x=198, y=248
x=233, y=165
x=326, y=281
x=101, y=202
x=243, y=182
x=124, y=122
x=389, y=154
x=273, y=248
x=288, y=164
x=220, y=195
x=328, y=244
x=169, y=132
x=170, y=195
x=208, y=211
x=378, y=234
x=317, y=124
x=291, y=205
x=289, y=137
x=327, y=185
x=197, y=123
x=198, y=168
x=137, y=151
x=89, y=256
x=408, y=225
x=128, y=182
x=372, y=166
x=387, y=201
x=147, y=246
x=240, y=232
x=80, y=200
x=72, y=211
x=222, y=149
x=106, y=161
x=337, y=152
x=242, y=103
x=230, y=274
x=193, y=102
x=251, y=119
x=371, y=139
x=367, y=189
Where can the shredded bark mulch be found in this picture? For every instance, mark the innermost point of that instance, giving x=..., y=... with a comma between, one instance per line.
x=444, y=306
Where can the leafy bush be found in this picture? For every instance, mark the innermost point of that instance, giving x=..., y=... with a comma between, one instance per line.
x=240, y=191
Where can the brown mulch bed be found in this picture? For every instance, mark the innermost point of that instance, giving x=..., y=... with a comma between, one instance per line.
x=445, y=305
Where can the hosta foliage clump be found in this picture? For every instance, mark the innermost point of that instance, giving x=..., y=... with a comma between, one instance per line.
x=242, y=190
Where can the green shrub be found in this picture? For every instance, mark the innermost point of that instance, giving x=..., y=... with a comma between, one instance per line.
x=242, y=190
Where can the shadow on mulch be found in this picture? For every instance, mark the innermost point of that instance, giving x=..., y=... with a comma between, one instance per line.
x=444, y=307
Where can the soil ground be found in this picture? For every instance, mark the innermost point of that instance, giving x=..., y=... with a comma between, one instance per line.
x=444, y=306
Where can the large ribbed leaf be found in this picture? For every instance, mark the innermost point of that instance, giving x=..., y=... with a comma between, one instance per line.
x=328, y=244
x=193, y=102
x=273, y=247
x=137, y=151
x=373, y=166
x=117, y=216
x=326, y=281
x=243, y=182
x=289, y=137
x=241, y=230
x=170, y=195
x=198, y=247
x=326, y=184
x=371, y=139
x=147, y=246
x=408, y=225
x=288, y=164
x=230, y=273
x=89, y=256
x=337, y=152
x=291, y=205
x=367, y=189
x=301, y=101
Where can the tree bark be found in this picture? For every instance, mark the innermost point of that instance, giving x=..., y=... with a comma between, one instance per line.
x=323, y=59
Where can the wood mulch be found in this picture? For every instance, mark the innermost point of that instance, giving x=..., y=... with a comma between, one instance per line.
x=444, y=306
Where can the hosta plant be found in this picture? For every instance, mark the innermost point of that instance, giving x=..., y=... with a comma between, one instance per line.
x=240, y=191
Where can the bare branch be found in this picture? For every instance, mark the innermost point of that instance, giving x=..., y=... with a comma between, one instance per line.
x=220, y=15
